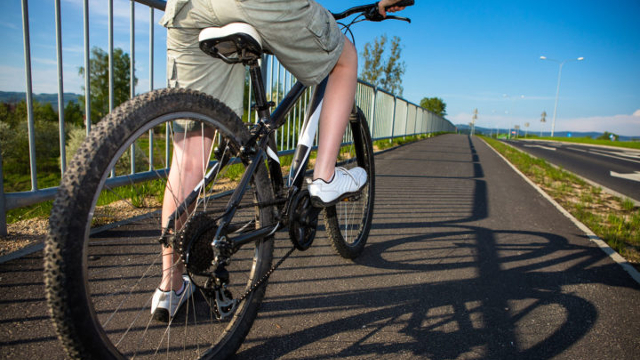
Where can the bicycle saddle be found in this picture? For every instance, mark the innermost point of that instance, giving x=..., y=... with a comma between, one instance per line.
x=233, y=43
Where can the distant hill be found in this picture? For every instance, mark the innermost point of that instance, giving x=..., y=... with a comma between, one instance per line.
x=463, y=128
x=16, y=97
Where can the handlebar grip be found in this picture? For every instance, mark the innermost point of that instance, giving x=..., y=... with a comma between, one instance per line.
x=404, y=3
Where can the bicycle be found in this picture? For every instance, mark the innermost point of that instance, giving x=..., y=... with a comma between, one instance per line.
x=100, y=276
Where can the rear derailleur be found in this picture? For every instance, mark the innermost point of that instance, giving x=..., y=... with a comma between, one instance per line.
x=198, y=256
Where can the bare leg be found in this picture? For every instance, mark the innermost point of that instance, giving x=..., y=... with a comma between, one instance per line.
x=336, y=107
x=190, y=153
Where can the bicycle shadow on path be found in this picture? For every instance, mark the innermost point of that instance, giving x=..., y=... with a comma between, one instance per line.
x=464, y=261
x=450, y=272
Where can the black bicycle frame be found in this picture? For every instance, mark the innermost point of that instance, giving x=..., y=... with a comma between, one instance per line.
x=262, y=144
x=253, y=152
x=266, y=127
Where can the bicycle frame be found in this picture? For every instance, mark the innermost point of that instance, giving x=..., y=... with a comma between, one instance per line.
x=262, y=144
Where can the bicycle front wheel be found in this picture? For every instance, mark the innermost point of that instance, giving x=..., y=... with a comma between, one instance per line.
x=103, y=260
x=348, y=222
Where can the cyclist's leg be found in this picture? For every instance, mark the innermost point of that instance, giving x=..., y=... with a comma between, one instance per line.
x=337, y=105
x=189, y=67
x=308, y=42
x=190, y=156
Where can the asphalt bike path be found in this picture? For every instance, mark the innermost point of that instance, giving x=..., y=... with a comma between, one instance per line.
x=465, y=260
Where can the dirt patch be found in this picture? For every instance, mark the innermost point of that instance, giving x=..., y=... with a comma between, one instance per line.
x=27, y=232
x=22, y=234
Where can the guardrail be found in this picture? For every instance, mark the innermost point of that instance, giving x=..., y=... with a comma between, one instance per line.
x=388, y=115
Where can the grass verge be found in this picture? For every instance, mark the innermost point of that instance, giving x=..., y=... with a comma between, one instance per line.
x=614, y=220
x=384, y=144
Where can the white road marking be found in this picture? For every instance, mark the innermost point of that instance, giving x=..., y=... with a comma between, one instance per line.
x=633, y=157
x=620, y=156
x=634, y=176
x=542, y=147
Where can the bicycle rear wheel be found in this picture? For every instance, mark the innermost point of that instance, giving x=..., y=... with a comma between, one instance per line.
x=348, y=222
x=102, y=256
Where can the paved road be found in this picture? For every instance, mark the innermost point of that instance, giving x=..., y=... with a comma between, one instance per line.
x=615, y=168
x=465, y=261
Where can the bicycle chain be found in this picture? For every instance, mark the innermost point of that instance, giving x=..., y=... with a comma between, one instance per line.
x=266, y=276
x=274, y=267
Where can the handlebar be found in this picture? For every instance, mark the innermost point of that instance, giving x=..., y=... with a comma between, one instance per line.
x=371, y=12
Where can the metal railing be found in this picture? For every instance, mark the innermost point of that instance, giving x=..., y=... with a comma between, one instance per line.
x=388, y=115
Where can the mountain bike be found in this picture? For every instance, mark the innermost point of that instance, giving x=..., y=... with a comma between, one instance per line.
x=101, y=271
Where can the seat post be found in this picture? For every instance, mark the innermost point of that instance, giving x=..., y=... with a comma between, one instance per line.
x=259, y=92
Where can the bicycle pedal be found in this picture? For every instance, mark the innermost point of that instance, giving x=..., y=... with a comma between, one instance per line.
x=353, y=198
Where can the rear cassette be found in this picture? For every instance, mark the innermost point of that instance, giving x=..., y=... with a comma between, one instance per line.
x=194, y=246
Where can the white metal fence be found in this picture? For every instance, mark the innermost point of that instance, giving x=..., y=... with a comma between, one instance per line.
x=388, y=115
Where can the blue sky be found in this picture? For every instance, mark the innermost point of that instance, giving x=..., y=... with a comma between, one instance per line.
x=472, y=54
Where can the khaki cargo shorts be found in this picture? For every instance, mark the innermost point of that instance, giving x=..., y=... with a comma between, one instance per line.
x=300, y=33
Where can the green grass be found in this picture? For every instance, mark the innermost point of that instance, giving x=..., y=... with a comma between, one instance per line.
x=40, y=210
x=615, y=220
x=389, y=143
x=136, y=194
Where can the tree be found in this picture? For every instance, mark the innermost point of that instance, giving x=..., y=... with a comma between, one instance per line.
x=608, y=136
x=386, y=74
x=99, y=81
x=434, y=104
x=73, y=114
x=14, y=139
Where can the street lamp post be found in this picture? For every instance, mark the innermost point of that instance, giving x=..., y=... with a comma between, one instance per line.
x=555, y=108
x=473, y=123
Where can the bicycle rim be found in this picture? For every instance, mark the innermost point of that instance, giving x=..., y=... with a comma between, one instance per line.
x=103, y=258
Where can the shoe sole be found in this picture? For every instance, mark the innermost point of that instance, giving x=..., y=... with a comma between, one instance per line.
x=316, y=201
x=161, y=315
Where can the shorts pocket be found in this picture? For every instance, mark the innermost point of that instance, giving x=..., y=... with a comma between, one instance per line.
x=171, y=10
x=324, y=28
x=172, y=72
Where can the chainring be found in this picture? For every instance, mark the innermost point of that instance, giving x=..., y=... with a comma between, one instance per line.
x=303, y=221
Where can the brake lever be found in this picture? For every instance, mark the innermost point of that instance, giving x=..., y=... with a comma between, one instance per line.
x=393, y=17
x=374, y=15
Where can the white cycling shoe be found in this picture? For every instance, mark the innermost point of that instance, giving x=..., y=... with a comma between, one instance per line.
x=345, y=183
x=165, y=304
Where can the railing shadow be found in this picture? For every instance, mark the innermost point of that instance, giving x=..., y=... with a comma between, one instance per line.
x=441, y=278
x=464, y=290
